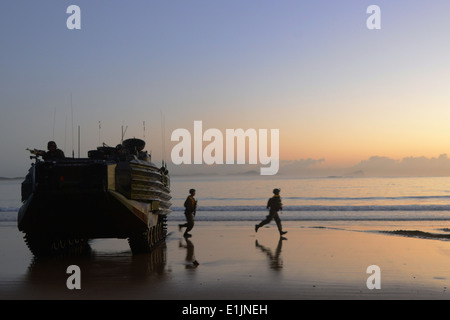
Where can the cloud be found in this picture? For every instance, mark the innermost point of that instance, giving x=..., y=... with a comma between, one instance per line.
x=408, y=166
x=301, y=167
x=374, y=166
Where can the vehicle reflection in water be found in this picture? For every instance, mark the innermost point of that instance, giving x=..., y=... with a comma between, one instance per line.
x=101, y=272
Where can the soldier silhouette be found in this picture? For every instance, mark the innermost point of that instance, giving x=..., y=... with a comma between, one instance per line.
x=190, y=206
x=274, y=205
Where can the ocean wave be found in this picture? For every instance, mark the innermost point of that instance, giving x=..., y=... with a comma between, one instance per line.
x=301, y=213
x=317, y=216
x=231, y=214
x=419, y=234
x=316, y=208
x=398, y=198
x=9, y=209
x=8, y=217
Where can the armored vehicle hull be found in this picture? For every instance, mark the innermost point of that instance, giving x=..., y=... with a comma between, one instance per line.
x=108, y=195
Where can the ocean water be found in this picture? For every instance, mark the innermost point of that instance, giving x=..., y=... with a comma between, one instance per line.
x=244, y=198
x=350, y=199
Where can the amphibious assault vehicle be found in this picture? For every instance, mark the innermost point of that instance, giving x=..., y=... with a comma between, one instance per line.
x=117, y=192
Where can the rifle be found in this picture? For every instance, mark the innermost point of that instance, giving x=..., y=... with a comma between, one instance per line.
x=36, y=152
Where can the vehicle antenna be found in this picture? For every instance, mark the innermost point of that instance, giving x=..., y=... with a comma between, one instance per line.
x=163, y=147
x=71, y=109
x=123, y=132
x=65, y=134
x=143, y=124
x=78, y=141
x=54, y=120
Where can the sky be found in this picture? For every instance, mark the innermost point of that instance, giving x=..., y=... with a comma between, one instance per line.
x=344, y=97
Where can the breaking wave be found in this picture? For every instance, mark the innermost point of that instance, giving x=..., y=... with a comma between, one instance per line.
x=315, y=208
x=9, y=209
x=409, y=212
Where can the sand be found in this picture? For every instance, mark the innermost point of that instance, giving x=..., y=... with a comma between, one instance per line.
x=229, y=261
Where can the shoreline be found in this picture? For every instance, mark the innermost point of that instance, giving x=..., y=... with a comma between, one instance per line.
x=229, y=261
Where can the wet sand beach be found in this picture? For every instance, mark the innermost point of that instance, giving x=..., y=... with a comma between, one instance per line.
x=229, y=261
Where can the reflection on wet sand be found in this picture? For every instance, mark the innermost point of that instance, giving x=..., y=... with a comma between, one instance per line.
x=191, y=261
x=275, y=260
